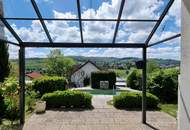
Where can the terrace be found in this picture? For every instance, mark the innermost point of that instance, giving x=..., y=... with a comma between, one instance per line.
x=155, y=120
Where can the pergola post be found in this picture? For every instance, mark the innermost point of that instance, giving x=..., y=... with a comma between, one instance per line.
x=144, y=85
x=22, y=83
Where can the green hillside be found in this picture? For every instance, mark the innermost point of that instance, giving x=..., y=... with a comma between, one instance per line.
x=104, y=62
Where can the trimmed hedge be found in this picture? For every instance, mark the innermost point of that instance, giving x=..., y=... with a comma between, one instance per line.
x=134, y=100
x=68, y=99
x=49, y=84
x=98, y=76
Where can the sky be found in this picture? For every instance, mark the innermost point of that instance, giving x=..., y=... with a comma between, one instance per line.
x=102, y=32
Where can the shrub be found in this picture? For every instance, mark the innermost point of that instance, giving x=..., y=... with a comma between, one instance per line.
x=49, y=84
x=134, y=80
x=86, y=81
x=30, y=100
x=2, y=104
x=12, y=109
x=96, y=77
x=134, y=100
x=67, y=99
x=164, y=84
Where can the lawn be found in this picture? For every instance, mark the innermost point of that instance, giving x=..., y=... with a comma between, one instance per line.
x=171, y=109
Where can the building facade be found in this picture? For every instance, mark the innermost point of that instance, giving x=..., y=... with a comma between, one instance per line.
x=184, y=78
x=82, y=72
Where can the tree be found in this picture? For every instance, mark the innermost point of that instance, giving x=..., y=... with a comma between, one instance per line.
x=4, y=62
x=59, y=65
x=164, y=84
x=152, y=66
x=134, y=79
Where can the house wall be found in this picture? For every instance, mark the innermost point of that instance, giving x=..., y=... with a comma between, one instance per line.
x=85, y=71
x=184, y=84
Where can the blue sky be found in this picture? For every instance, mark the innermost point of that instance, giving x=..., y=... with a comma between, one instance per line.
x=96, y=31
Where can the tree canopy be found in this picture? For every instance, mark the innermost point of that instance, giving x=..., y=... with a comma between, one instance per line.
x=59, y=65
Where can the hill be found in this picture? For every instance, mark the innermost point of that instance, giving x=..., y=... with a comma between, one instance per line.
x=104, y=62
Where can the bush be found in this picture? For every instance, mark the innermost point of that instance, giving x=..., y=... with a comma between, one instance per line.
x=134, y=80
x=12, y=109
x=67, y=99
x=2, y=105
x=86, y=81
x=49, y=84
x=96, y=77
x=164, y=84
x=134, y=100
x=30, y=100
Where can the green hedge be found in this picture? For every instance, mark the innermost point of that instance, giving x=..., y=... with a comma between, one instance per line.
x=134, y=100
x=134, y=79
x=49, y=84
x=67, y=99
x=96, y=77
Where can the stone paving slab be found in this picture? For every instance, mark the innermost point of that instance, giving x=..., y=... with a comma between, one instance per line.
x=102, y=117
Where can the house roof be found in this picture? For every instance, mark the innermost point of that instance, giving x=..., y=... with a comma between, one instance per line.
x=33, y=75
x=80, y=66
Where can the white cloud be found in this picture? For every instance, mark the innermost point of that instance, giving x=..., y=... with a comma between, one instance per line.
x=65, y=31
x=175, y=11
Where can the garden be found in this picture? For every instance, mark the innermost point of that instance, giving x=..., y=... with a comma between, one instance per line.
x=53, y=89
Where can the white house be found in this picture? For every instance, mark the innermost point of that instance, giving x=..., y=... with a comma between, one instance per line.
x=82, y=72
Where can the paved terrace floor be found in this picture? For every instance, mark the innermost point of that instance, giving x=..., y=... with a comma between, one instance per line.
x=102, y=117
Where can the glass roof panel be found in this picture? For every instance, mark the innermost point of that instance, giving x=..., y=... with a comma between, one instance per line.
x=143, y=9
x=5, y=34
x=134, y=32
x=169, y=26
x=64, y=31
x=167, y=50
x=98, y=31
x=58, y=8
x=18, y=9
x=100, y=9
x=29, y=31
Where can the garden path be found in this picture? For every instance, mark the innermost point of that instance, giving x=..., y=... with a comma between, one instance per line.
x=102, y=117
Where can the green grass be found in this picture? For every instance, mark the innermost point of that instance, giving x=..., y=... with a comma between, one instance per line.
x=171, y=109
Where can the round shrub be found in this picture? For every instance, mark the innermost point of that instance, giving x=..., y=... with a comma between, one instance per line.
x=134, y=80
x=134, y=100
x=68, y=99
x=49, y=84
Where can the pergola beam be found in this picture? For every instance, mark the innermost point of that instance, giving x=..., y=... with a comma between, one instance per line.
x=76, y=19
x=144, y=77
x=41, y=20
x=159, y=22
x=11, y=30
x=22, y=84
x=84, y=45
x=165, y=40
x=80, y=22
x=6, y=41
x=118, y=20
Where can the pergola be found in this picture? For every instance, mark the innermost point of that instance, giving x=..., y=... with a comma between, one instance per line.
x=51, y=44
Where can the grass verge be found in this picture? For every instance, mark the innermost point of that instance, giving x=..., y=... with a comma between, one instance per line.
x=171, y=109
